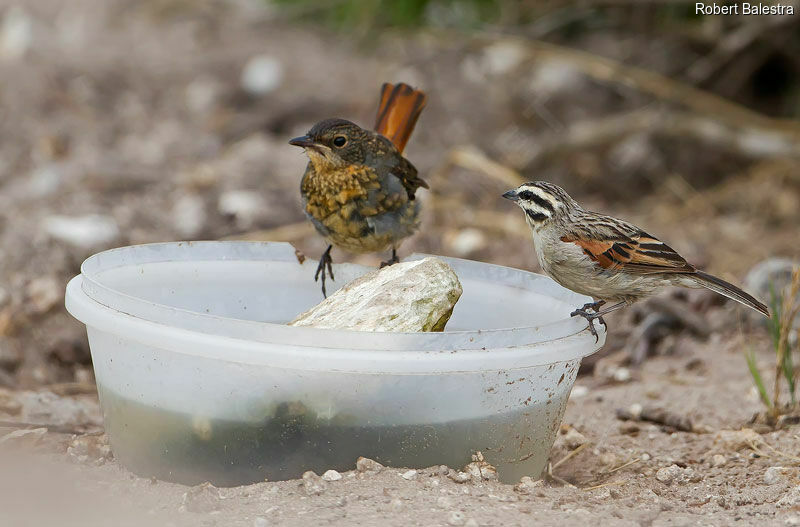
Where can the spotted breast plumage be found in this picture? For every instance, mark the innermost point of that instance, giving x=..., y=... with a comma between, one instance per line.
x=358, y=190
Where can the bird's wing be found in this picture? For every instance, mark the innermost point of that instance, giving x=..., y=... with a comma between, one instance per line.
x=621, y=246
x=407, y=174
x=399, y=109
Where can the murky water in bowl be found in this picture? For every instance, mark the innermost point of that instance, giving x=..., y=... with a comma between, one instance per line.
x=188, y=449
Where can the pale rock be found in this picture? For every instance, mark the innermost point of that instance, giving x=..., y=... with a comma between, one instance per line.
x=669, y=474
x=244, y=205
x=16, y=33
x=189, y=215
x=718, y=460
x=573, y=439
x=364, y=464
x=527, y=485
x=409, y=475
x=85, y=232
x=503, y=56
x=9, y=403
x=260, y=521
x=49, y=408
x=331, y=475
x=409, y=296
x=459, y=477
x=90, y=449
x=773, y=475
x=552, y=77
x=43, y=294
x=622, y=374
x=466, y=241
x=578, y=391
x=261, y=74
x=313, y=484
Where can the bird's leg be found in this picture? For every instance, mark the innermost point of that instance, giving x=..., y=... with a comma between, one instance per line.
x=393, y=261
x=597, y=314
x=594, y=306
x=325, y=261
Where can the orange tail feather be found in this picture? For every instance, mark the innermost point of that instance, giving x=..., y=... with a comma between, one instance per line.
x=398, y=112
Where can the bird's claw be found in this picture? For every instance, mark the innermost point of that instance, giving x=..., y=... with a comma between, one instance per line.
x=590, y=317
x=394, y=259
x=325, y=264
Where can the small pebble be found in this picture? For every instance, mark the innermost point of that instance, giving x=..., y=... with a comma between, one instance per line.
x=718, y=460
x=773, y=475
x=260, y=522
x=84, y=232
x=331, y=475
x=527, y=485
x=573, y=439
x=364, y=464
x=622, y=375
x=409, y=475
x=444, y=502
x=459, y=477
x=635, y=411
x=456, y=518
x=313, y=484
x=668, y=474
x=578, y=391
x=261, y=75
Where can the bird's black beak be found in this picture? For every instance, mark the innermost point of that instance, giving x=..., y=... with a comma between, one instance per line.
x=512, y=195
x=303, y=141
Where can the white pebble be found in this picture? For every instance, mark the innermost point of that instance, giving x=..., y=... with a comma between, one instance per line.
x=85, y=232
x=578, y=391
x=331, y=475
x=261, y=75
x=773, y=475
x=718, y=460
x=409, y=475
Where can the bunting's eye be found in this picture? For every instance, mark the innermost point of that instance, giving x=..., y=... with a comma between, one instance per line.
x=339, y=141
x=527, y=195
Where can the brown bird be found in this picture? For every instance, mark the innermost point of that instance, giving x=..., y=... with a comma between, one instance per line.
x=358, y=190
x=606, y=258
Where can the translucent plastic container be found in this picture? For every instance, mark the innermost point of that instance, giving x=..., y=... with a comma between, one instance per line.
x=201, y=380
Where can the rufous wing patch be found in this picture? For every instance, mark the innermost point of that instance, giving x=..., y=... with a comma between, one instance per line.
x=641, y=253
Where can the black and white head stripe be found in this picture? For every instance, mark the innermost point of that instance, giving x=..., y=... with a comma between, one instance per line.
x=538, y=202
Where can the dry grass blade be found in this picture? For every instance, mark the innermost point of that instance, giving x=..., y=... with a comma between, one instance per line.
x=790, y=307
x=473, y=159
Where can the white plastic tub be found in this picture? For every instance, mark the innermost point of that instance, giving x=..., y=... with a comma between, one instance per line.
x=200, y=378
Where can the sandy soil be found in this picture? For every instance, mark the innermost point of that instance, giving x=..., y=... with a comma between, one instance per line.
x=630, y=473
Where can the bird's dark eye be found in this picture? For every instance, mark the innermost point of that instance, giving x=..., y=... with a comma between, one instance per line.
x=339, y=141
x=527, y=195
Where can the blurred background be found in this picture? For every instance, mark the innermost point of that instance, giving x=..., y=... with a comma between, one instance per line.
x=132, y=122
